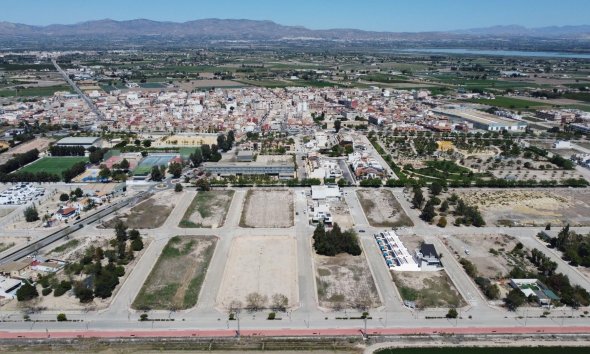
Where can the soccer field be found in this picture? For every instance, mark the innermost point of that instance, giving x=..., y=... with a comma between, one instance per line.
x=53, y=165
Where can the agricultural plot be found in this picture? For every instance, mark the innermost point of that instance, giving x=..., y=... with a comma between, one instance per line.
x=208, y=209
x=176, y=279
x=345, y=281
x=264, y=265
x=268, y=208
x=531, y=207
x=382, y=209
x=428, y=289
x=53, y=165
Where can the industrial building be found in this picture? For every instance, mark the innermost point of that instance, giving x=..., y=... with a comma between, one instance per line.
x=86, y=141
x=482, y=120
x=283, y=170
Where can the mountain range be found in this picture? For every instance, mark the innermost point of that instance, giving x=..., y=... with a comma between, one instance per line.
x=237, y=29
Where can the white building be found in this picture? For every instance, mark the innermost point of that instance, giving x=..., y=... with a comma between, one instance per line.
x=396, y=255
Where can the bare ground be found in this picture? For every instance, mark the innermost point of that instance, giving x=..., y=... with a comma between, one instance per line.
x=268, y=208
x=208, y=209
x=341, y=214
x=260, y=264
x=382, y=209
x=345, y=281
x=532, y=207
x=149, y=214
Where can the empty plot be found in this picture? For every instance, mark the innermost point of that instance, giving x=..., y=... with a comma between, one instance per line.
x=428, y=289
x=268, y=208
x=208, y=209
x=266, y=265
x=382, y=209
x=345, y=281
x=531, y=207
x=149, y=214
x=175, y=281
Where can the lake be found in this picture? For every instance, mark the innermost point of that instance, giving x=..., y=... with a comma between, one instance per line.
x=491, y=52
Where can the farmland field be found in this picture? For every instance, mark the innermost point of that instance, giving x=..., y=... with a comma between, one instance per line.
x=53, y=165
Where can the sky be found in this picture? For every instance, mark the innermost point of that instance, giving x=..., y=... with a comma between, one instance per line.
x=377, y=15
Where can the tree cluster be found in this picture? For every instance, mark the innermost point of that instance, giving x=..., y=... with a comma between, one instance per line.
x=575, y=247
x=206, y=153
x=333, y=242
x=57, y=150
x=18, y=161
x=102, y=279
x=224, y=142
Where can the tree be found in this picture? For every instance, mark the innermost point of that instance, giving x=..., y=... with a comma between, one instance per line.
x=203, y=184
x=178, y=187
x=146, y=143
x=428, y=212
x=444, y=206
x=279, y=302
x=156, y=174
x=255, y=301
x=514, y=299
x=175, y=169
x=418, y=198
x=78, y=192
x=64, y=197
x=137, y=245
x=26, y=292
x=104, y=173
x=435, y=188
x=442, y=222
x=31, y=214
x=61, y=317
x=452, y=313
x=337, y=125
x=124, y=164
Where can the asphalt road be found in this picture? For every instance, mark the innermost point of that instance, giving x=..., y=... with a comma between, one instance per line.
x=306, y=315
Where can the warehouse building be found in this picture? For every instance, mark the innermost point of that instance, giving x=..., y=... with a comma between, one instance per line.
x=482, y=120
x=283, y=170
x=86, y=141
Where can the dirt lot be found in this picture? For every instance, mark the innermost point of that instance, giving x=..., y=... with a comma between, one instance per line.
x=532, y=207
x=208, y=209
x=268, y=208
x=345, y=281
x=175, y=281
x=341, y=214
x=382, y=209
x=40, y=144
x=489, y=253
x=428, y=289
x=260, y=264
x=149, y=214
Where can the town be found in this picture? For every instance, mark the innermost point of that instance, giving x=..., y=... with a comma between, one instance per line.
x=256, y=192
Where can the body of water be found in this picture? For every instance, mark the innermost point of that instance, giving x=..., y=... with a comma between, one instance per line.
x=490, y=52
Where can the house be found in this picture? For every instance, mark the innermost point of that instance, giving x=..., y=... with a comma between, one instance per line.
x=533, y=287
x=427, y=257
x=322, y=214
x=48, y=266
x=395, y=254
x=66, y=213
x=16, y=269
x=8, y=287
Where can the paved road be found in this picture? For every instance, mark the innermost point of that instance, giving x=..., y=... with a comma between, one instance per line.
x=392, y=316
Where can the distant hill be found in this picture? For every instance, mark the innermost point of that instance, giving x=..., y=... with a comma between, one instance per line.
x=224, y=29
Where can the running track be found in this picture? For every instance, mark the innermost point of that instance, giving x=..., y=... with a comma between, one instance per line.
x=287, y=332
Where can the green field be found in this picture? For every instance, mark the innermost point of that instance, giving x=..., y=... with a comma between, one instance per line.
x=53, y=165
x=508, y=102
x=34, y=91
x=473, y=350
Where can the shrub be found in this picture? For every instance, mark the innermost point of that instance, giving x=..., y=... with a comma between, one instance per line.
x=46, y=291
x=61, y=317
x=442, y=222
x=271, y=316
x=452, y=313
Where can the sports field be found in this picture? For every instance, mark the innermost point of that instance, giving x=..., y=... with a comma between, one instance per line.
x=53, y=165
